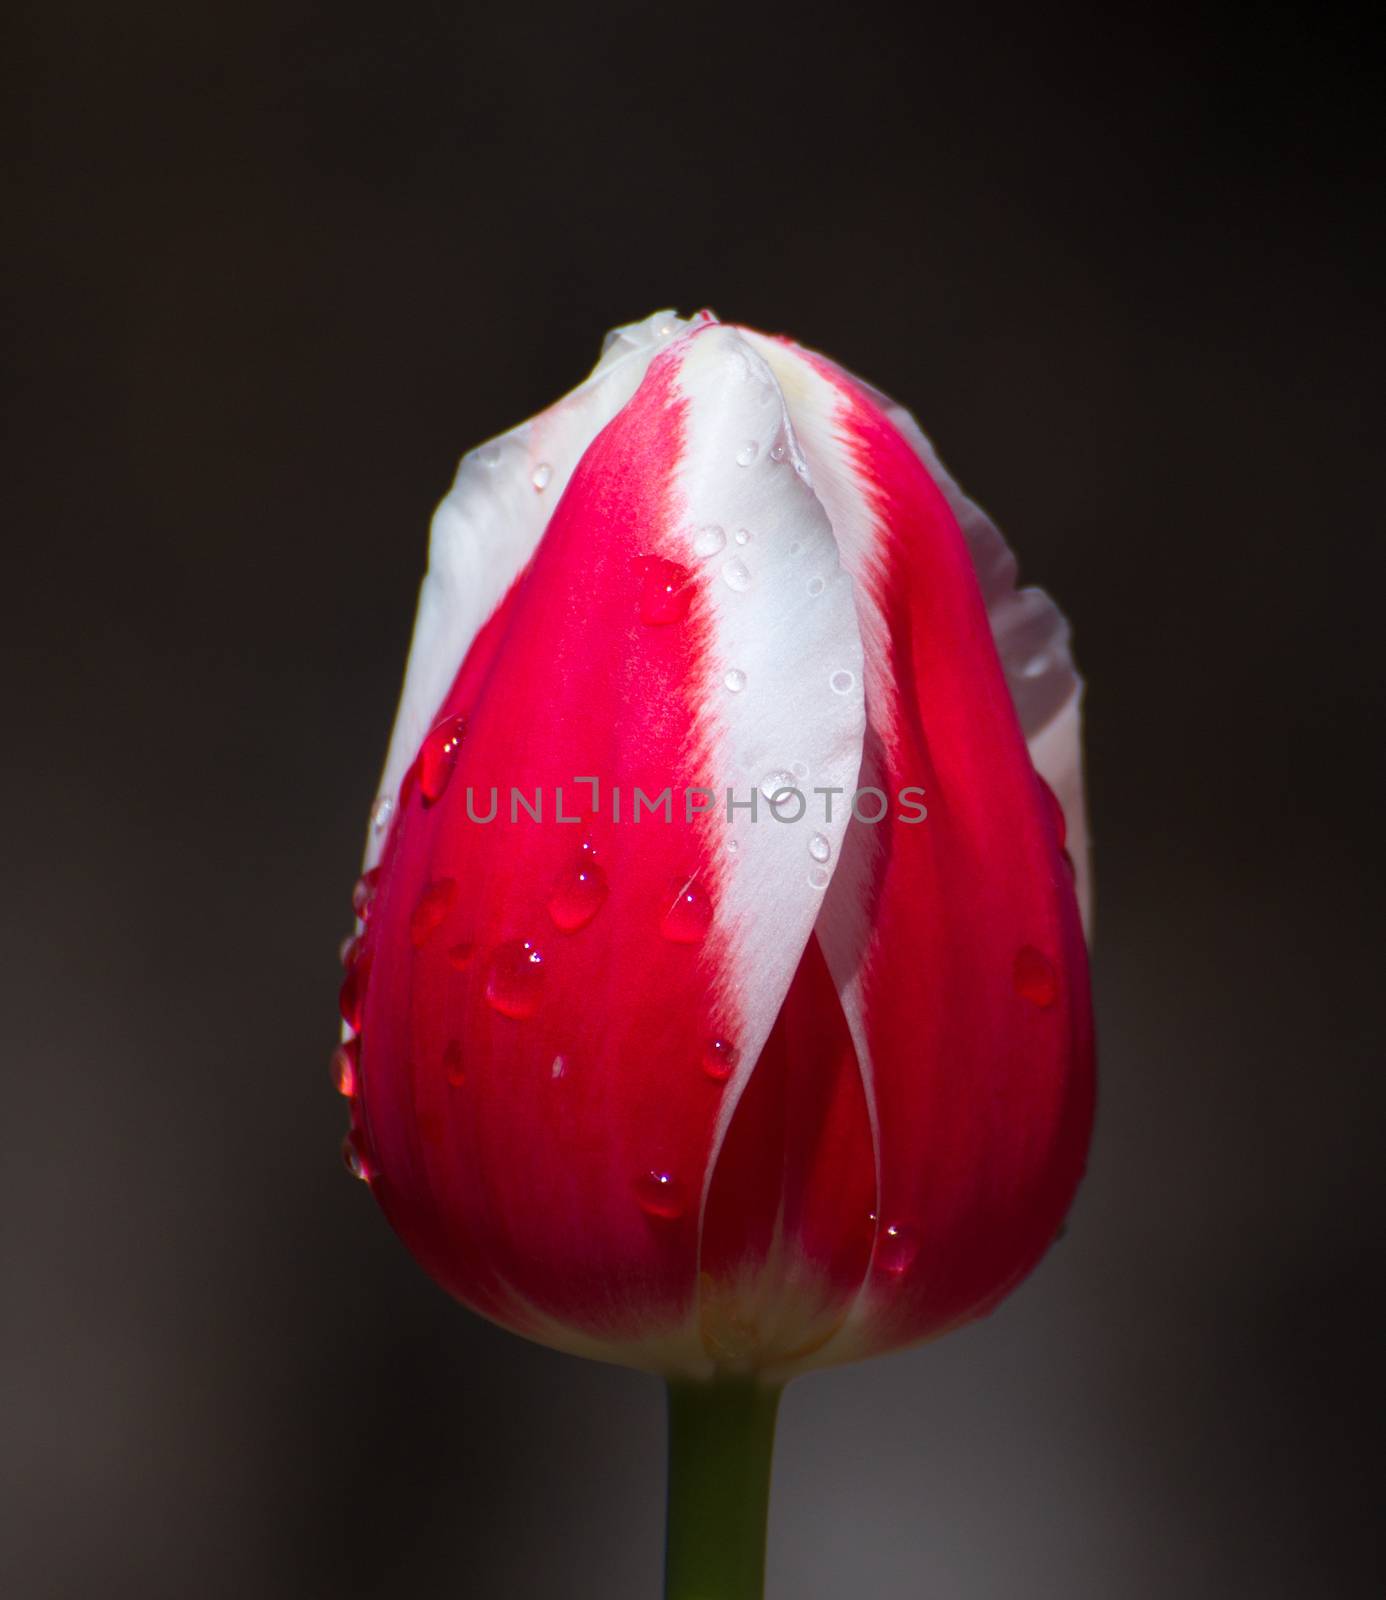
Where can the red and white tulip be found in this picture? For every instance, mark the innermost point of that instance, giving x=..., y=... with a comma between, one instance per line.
x=700, y=1094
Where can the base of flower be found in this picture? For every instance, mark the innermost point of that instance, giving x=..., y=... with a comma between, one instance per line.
x=721, y=1440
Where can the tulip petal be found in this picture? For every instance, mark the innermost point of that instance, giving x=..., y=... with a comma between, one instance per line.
x=955, y=941
x=489, y=525
x=789, y=1225
x=1032, y=639
x=534, y=1075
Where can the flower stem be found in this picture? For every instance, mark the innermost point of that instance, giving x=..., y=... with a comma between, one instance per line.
x=721, y=1438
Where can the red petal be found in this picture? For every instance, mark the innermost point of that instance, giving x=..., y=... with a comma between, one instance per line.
x=956, y=940
x=560, y=1068
x=788, y=1228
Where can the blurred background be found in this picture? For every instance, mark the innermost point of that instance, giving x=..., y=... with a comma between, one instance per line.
x=272, y=268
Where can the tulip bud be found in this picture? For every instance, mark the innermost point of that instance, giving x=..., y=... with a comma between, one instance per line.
x=720, y=1003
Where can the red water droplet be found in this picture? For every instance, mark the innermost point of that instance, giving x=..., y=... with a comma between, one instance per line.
x=868, y=1230
x=1057, y=812
x=515, y=980
x=578, y=895
x=452, y=1062
x=352, y=996
x=720, y=1059
x=349, y=949
x=660, y=1195
x=363, y=895
x=345, y=1065
x=1034, y=977
x=407, y=785
x=686, y=921
x=460, y=955
x=354, y=1159
x=431, y=911
x=896, y=1247
x=438, y=756
x=666, y=590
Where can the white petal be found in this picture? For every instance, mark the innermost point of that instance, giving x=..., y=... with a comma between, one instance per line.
x=784, y=701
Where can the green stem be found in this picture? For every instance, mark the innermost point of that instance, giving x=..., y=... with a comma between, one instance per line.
x=721, y=1438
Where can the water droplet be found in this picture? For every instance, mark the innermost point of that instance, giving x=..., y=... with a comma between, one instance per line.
x=743, y=536
x=1057, y=812
x=896, y=1247
x=842, y=682
x=460, y=955
x=797, y=548
x=815, y=586
x=1034, y=977
x=559, y=1068
x=452, y=1062
x=489, y=455
x=735, y=680
x=819, y=848
x=747, y=453
x=660, y=1195
x=800, y=770
x=352, y=997
x=708, y=541
x=541, y=475
x=438, y=756
x=515, y=981
x=773, y=782
x=347, y=951
x=720, y=1059
x=665, y=591
x=819, y=878
x=686, y=921
x=778, y=450
x=1034, y=667
x=431, y=911
x=345, y=1060
x=578, y=895
x=381, y=813
x=364, y=892
x=733, y=847
x=737, y=575
x=354, y=1160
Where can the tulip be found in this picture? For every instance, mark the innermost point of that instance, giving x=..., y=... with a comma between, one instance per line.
x=722, y=1095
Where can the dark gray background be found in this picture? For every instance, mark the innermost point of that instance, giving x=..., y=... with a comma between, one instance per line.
x=277, y=266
